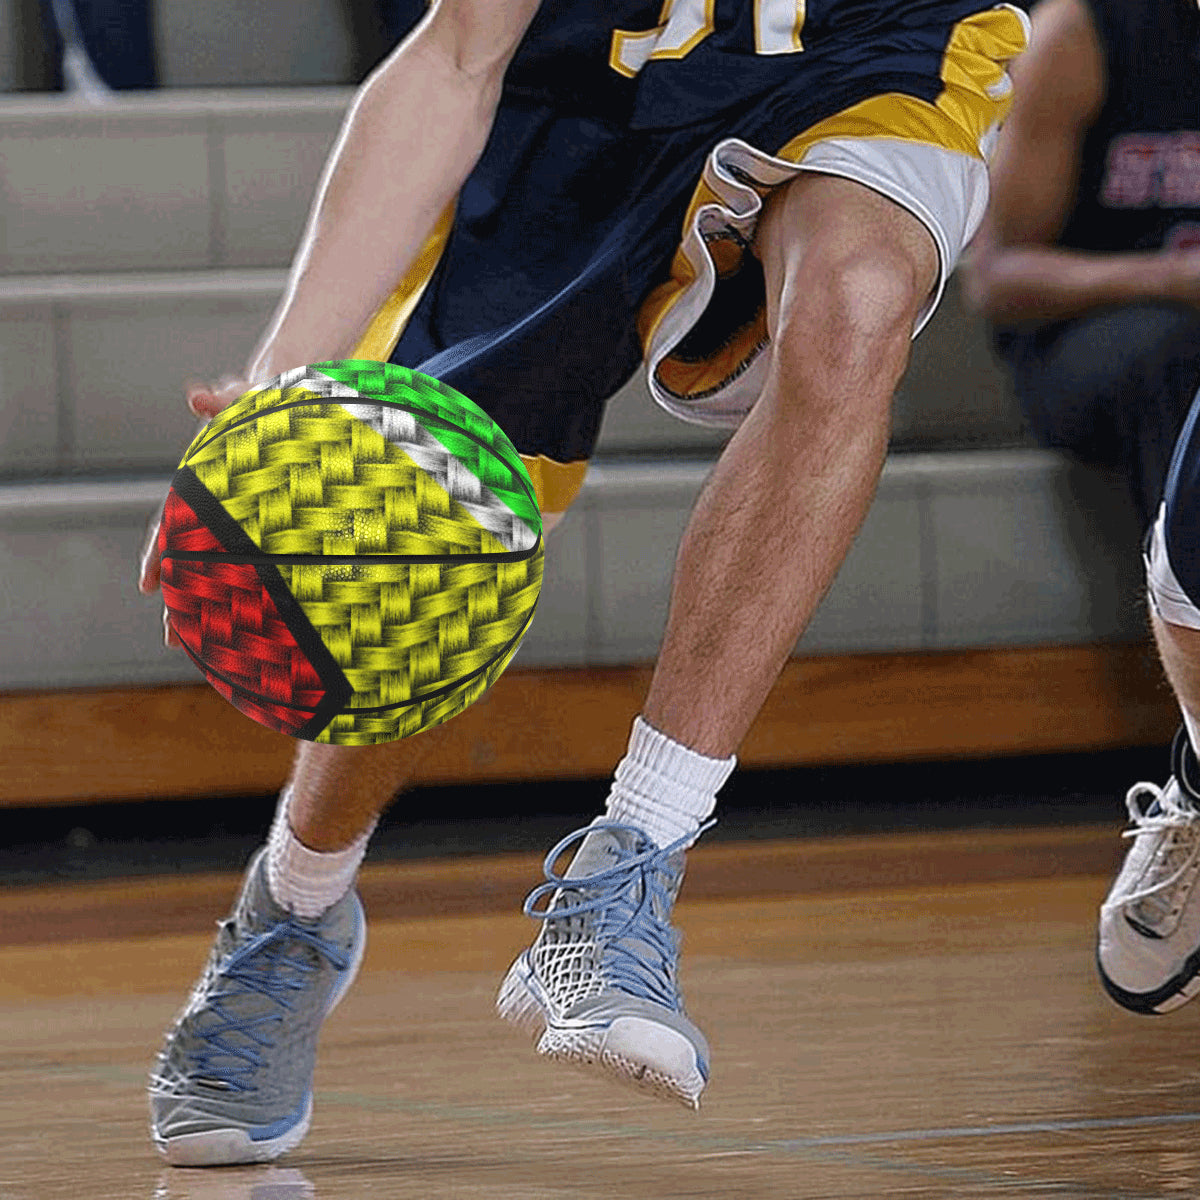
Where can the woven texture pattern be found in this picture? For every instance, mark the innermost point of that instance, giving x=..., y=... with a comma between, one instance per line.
x=414, y=417
x=420, y=642
x=230, y=626
x=465, y=430
x=308, y=466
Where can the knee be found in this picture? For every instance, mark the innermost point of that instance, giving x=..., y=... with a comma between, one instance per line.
x=850, y=311
x=841, y=340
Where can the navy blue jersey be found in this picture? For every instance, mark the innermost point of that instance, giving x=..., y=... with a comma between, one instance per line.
x=611, y=216
x=615, y=60
x=755, y=46
x=1139, y=186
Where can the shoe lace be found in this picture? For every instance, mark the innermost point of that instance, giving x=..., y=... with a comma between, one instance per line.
x=275, y=964
x=1155, y=811
x=631, y=901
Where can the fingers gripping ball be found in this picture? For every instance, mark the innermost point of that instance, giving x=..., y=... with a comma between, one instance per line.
x=351, y=553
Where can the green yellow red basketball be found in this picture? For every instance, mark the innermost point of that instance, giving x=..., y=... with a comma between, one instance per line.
x=351, y=553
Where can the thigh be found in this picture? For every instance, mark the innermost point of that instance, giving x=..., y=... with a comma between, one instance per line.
x=907, y=110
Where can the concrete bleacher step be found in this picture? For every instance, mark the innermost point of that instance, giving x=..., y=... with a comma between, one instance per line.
x=171, y=204
x=146, y=242
x=93, y=368
x=965, y=549
x=168, y=180
x=219, y=43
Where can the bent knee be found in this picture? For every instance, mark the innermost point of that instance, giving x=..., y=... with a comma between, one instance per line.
x=850, y=300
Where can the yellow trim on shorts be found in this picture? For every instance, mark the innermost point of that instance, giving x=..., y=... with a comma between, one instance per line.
x=976, y=94
x=377, y=344
x=556, y=484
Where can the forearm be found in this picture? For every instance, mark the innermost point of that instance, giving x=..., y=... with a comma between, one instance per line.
x=413, y=134
x=1046, y=283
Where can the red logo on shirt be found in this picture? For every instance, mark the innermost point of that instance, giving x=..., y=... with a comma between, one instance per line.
x=1152, y=170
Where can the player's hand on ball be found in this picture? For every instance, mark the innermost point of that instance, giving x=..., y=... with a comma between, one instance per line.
x=205, y=401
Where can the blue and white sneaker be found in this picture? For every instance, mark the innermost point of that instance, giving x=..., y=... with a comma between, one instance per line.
x=233, y=1081
x=1149, y=939
x=599, y=983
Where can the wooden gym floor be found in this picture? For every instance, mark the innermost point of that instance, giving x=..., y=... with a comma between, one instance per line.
x=899, y=1015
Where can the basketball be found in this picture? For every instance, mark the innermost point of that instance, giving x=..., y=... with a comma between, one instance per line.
x=351, y=553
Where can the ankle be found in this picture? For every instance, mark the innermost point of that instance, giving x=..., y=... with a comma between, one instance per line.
x=306, y=880
x=664, y=788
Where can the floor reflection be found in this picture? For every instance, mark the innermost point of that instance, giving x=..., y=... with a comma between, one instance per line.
x=234, y=1183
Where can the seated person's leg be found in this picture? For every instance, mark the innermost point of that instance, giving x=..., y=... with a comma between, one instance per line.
x=1110, y=388
x=118, y=38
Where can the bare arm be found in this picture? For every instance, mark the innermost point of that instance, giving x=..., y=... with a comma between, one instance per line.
x=414, y=132
x=1014, y=271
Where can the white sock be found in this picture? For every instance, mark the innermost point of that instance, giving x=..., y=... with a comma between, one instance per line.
x=307, y=882
x=663, y=788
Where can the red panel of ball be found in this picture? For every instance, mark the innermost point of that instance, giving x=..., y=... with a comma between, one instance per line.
x=227, y=619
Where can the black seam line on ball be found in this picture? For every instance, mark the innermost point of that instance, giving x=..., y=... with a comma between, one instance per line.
x=230, y=534
x=408, y=408
x=362, y=560
x=347, y=711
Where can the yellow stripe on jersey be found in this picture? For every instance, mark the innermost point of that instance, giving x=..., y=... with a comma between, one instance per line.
x=976, y=95
x=377, y=344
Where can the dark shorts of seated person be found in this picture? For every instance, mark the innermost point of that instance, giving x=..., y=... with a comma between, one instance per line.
x=1112, y=388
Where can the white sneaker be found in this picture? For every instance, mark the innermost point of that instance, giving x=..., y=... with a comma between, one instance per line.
x=599, y=984
x=233, y=1081
x=1149, y=941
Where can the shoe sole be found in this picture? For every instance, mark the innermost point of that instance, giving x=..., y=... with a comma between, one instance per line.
x=1173, y=994
x=233, y=1146
x=635, y=1051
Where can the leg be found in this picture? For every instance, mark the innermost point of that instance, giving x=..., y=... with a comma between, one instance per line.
x=1113, y=388
x=1179, y=649
x=847, y=272
x=337, y=793
x=1149, y=936
x=227, y=1087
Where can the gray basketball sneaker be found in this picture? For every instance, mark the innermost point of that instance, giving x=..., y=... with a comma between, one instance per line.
x=1149, y=940
x=233, y=1081
x=599, y=983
